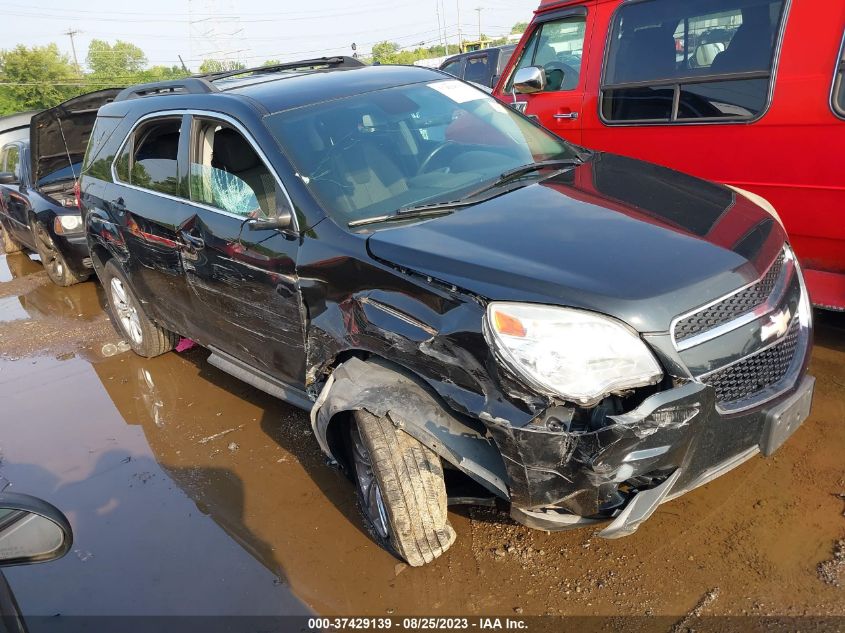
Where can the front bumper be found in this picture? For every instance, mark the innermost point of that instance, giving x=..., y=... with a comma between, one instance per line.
x=676, y=438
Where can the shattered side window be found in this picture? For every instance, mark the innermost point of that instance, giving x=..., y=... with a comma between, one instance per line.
x=223, y=190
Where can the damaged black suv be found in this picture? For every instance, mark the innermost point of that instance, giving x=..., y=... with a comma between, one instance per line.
x=448, y=287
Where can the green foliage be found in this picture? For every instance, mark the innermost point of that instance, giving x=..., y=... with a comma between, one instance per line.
x=519, y=27
x=116, y=62
x=35, y=78
x=392, y=53
x=219, y=66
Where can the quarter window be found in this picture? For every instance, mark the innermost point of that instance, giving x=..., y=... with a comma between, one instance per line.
x=557, y=47
x=13, y=161
x=149, y=159
x=227, y=173
x=838, y=95
x=683, y=61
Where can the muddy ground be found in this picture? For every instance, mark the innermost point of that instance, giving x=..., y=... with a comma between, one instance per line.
x=192, y=493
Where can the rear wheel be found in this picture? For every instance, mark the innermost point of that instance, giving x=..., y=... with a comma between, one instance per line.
x=145, y=337
x=400, y=490
x=51, y=257
x=10, y=244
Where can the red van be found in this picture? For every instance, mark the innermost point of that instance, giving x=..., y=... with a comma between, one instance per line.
x=745, y=92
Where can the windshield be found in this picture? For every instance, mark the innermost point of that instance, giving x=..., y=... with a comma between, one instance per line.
x=371, y=154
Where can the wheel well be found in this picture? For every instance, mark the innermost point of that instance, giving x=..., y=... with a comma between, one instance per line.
x=99, y=256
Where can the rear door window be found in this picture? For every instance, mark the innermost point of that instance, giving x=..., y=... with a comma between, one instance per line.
x=149, y=159
x=558, y=47
x=688, y=60
x=838, y=93
x=478, y=69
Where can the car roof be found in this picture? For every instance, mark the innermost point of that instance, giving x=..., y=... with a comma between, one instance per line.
x=285, y=90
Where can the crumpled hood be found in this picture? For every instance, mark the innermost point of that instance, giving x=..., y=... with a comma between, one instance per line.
x=59, y=136
x=619, y=236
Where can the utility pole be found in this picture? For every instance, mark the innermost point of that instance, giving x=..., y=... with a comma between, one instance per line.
x=460, y=33
x=184, y=68
x=70, y=33
x=479, y=10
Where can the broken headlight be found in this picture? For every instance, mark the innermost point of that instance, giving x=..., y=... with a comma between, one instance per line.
x=579, y=355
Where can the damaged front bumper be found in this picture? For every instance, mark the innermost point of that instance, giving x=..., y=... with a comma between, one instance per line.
x=672, y=443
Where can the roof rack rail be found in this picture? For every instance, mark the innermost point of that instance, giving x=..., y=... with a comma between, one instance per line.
x=202, y=84
x=338, y=61
x=189, y=85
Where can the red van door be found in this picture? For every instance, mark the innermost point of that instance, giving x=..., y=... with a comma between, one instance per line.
x=558, y=42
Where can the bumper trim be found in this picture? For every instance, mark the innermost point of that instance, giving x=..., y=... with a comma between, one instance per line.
x=640, y=508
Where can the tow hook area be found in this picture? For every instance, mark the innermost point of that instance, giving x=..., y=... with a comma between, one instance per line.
x=639, y=508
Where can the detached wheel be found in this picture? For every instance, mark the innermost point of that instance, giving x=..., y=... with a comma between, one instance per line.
x=52, y=258
x=400, y=489
x=145, y=337
x=10, y=244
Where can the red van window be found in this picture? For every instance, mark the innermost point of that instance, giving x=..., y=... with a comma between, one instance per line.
x=690, y=60
x=557, y=46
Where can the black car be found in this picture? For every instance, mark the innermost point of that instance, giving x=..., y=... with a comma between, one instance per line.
x=38, y=207
x=482, y=67
x=448, y=287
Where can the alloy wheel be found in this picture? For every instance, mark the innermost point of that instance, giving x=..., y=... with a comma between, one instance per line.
x=126, y=312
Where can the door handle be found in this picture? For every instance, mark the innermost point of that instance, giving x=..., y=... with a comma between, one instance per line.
x=192, y=240
x=566, y=115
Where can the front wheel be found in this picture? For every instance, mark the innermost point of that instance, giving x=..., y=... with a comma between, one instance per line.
x=145, y=337
x=401, y=490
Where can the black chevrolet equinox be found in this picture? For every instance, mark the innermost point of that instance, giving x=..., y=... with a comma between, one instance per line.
x=461, y=299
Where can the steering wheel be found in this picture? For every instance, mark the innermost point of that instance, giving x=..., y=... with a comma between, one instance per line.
x=434, y=154
x=565, y=69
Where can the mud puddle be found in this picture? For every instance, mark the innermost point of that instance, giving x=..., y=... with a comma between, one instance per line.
x=193, y=493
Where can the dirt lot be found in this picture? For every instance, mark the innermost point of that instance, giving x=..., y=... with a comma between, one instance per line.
x=191, y=493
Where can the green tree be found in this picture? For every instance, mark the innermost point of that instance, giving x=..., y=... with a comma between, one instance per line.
x=115, y=62
x=219, y=66
x=385, y=52
x=519, y=27
x=35, y=78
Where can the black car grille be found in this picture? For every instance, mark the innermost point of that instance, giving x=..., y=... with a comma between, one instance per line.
x=741, y=381
x=732, y=307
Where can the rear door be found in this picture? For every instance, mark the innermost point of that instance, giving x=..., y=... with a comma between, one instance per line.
x=150, y=199
x=478, y=68
x=14, y=204
x=454, y=68
x=243, y=282
x=558, y=43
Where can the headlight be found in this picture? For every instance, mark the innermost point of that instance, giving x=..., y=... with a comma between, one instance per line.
x=67, y=224
x=579, y=355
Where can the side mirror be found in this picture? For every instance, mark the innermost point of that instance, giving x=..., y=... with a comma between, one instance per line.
x=529, y=80
x=31, y=530
x=8, y=178
x=282, y=221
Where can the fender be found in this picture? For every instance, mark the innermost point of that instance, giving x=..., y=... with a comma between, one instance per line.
x=388, y=391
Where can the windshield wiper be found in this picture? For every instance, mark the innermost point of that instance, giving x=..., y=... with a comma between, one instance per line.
x=408, y=213
x=439, y=208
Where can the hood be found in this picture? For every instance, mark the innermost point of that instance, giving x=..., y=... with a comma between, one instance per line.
x=618, y=236
x=59, y=136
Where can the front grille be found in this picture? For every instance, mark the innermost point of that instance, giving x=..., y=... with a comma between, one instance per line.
x=731, y=307
x=754, y=373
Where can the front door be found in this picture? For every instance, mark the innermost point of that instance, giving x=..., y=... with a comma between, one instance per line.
x=559, y=44
x=243, y=282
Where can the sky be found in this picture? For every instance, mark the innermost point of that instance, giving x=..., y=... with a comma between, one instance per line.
x=254, y=31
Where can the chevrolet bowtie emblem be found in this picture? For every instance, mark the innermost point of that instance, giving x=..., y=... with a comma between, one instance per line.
x=777, y=325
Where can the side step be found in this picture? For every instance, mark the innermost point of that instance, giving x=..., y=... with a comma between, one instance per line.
x=259, y=379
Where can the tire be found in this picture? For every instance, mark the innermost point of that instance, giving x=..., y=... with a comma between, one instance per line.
x=10, y=244
x=401, y=490
x=145, y=337
x=51, y=257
